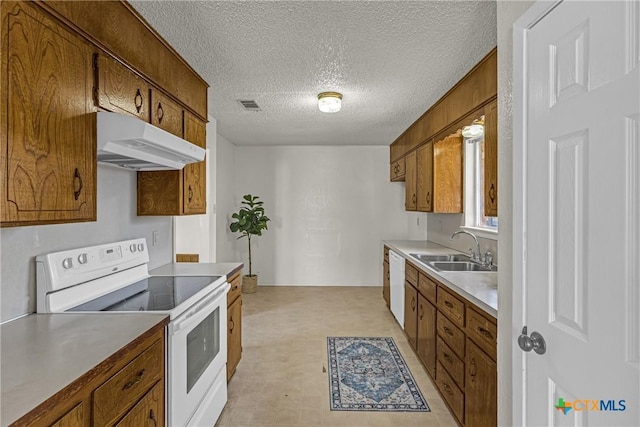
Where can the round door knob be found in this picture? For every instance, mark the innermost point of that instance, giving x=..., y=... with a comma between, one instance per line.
x=534, y=342
x=82, y=258
x=133, y=248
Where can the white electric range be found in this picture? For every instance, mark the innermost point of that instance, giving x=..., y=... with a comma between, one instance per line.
x=114, y=278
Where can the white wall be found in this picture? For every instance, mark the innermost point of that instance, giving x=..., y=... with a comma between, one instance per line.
x=117, y=220
x=508, y=12
x=330, y=208
x=226, y=199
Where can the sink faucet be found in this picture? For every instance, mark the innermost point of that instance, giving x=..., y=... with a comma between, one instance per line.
x=474, y=255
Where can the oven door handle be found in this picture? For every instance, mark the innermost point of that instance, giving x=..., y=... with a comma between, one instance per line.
x=187, y=319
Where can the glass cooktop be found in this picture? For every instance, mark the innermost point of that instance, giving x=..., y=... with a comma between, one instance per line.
x=155, y=293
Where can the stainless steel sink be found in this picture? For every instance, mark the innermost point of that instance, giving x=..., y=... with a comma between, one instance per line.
x=443, y=257
x=460, y=266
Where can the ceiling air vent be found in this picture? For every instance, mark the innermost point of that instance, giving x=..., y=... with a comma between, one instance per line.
x=249, y=104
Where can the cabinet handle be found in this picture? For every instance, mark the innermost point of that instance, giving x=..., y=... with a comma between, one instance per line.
x=492, y=194
x=190, y=194
x=235, y=288
x=413, y=303
x=429, y=197
x=448, y=304
x=138, y=100
x=448, y=331
x=232, y=325
x=472, y=368
x=160, y=112
x=421, y=311
x=134, y=381
x=77, y=177
x=485, y=332
x=152, y=417
x=447, y=358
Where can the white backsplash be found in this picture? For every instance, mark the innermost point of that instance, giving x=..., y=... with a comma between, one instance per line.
x=117, y=220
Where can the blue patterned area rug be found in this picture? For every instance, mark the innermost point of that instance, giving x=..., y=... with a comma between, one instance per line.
x=369, y=374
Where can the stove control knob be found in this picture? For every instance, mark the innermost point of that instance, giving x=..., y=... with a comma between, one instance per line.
x=82, y=258
x=132, y=247
x=67, y=263
x=140, y=247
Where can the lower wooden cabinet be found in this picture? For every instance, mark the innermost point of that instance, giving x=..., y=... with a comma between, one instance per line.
x=481, y=391
x=127, y=389
x=411, y=314
x=456, y=343
x=427, y=334
x=234, y=324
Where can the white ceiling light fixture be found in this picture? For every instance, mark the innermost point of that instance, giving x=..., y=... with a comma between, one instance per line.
x=329, y=102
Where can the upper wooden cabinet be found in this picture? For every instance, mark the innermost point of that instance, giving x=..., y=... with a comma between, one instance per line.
x=398, y=170
x=411, y=197
x=195, y=174
x=491, y=159
x=425, y=177
x=166, y=114
x=447, y=174
x=475, y=89
x=120, y=90
x=48, y=132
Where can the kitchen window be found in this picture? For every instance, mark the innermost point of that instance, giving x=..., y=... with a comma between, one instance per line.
x=474, y=218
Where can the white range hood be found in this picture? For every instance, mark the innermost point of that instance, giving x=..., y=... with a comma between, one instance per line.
x=131, y=143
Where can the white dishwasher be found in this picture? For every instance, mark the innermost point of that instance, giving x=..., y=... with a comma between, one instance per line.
x=396, y=281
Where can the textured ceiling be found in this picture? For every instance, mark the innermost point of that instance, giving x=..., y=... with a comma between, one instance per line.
x=391, y=60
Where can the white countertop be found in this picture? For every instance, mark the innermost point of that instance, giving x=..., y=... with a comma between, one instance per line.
x=481, y=288
x=43, y=353
x=197, y=269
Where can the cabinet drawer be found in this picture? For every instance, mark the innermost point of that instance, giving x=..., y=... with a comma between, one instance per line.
x=482, y=331
x=427, y=287
x=451, y=306
x=236, y=288
x=122, y=390
x=452, y=363
x=148, y=412
x=451, y=393
x=411, y=273
x=450, y=334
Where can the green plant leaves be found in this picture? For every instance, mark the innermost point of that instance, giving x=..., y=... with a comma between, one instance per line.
x=251, y=219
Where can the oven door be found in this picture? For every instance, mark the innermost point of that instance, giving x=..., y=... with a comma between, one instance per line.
x=197, y=354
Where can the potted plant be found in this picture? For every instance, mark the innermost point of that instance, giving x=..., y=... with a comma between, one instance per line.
x=250, y=221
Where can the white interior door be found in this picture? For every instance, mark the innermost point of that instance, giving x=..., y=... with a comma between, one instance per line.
x=577, y=213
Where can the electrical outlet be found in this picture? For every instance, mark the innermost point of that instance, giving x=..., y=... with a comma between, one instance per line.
x=155, y=238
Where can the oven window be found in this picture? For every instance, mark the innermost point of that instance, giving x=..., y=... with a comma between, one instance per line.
x=203, y=344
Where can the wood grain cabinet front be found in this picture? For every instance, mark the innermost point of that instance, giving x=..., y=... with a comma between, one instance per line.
x=48, y=154
x=426, y=346
x=148, y=412
x=491, y=159
x=166, y=113
x=410, y=197
x=74, y=418
x=424, y=173
x=234, y=324
x=120, y=90
x=398, y=170
x=411, y=314
x=481, y=399
x=195, y=190
x=447, y=174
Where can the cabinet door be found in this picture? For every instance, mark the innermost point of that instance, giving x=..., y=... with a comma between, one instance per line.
x=410, y=198
x=425, y=178
x=491, y=159
x=447, y=174
x=148, y=412
x=165, y=113
x=48, y=141
x=195, y=174
x=427, y=334
x=234, y=336
x=411, y=313
x=121, y=90
x=386, y=294
x=397, y=170
x=481, y=404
